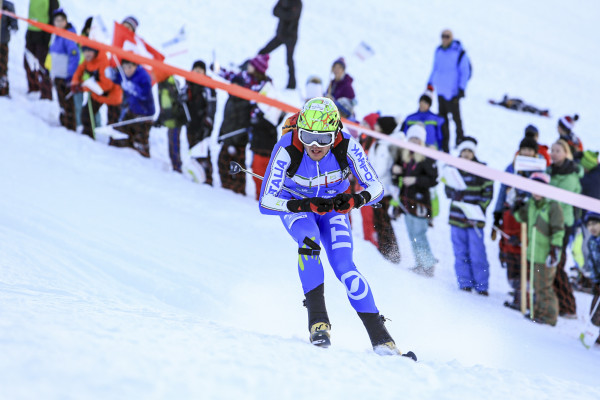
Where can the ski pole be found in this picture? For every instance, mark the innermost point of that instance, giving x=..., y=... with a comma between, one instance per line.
x=587, y=330
x=130, y=121
x=531, y=273
x=92, y=116
x=231, y=134
x=501, y=232
x=235, y=168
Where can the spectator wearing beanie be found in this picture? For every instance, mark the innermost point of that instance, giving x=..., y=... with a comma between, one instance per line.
x=238, y=119
x=565, y=131
x=7, y=24
x=130, y=23
x=341, y=84
x=470, y=259
x=531, y=131
x=377, y=226
x=510, y=240
x=288, y=12
x=565, y=174
x=202, y=104
x=433, y=122
x=417, y=174
x=545, y=233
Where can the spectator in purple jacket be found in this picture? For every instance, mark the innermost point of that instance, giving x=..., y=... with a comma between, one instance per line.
x=340, y=88
x=449, y=76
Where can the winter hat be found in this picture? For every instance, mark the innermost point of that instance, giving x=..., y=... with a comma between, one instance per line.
x=345, y=106
x=340, y=61
x=529, y=143
x=387, y=124
x=371, y=119
x=427, y=97
x=531, y=131
x=591, y=216
x=540, y=177
x=589, y=160
x=260, y=62
x=59, y=11
x=416, y=131
x=132, y=21
x=199, y=64
x=468, y=143
x=567, y=122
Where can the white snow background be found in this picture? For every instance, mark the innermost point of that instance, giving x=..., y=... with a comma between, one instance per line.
x=122, y=280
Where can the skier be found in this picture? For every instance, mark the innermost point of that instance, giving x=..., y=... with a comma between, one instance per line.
x=316, y=159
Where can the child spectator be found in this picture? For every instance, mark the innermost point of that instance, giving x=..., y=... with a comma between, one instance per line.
x=172, y=116
x=504, y=221
x=64, y=54
x=288, y=12
x=565, y=174
x=7, y=24
x=36, y=47
x=565, y=131
x=470, y=260
x=418, y=174
x=137, y=102
x=531, y=131
x=545, y=232
x=236, y=121
x=202, y=104
x=433, y=122
x=592, y=222
x=92, y=69
x=340, y=87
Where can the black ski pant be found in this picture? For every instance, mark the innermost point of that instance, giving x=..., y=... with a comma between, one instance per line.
x=67, y=105
x=4, y=70
x=38, y=79
x=290, y=45
x=450, y=107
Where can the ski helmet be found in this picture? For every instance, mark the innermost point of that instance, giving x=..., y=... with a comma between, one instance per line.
x=319, y=115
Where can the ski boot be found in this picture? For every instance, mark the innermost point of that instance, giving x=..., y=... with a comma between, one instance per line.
x=318, y=321
x=319, y=334
x=382, y=342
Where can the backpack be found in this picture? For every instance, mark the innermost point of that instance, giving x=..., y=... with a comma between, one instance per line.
x=296, y=148
x=460, y=56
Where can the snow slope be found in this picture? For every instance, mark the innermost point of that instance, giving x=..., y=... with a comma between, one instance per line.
x=120, y=279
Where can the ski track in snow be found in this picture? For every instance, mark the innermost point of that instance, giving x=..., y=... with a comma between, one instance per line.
x=121, y=279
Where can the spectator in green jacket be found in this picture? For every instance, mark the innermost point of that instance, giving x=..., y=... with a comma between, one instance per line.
x=172, y=116
x=565, y=174
x=545, y=232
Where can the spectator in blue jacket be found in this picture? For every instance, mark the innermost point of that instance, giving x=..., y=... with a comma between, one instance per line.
x=137, y=102
x=64, y=54
x=7, y=24
x=467, y=220
x=433, y=122
x=449, y=76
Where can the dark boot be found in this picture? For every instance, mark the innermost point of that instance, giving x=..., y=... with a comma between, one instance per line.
x=318, y=320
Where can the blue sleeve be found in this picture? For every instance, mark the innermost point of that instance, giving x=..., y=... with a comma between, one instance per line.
x=433, y=69
x=363, y=170
x=73, y=51
x=463, y=72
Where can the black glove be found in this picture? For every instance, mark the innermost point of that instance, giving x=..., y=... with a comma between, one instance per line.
x=553, y=257
x=318, y=205
x=344, y=202
x=497, y=218
x=461, y=93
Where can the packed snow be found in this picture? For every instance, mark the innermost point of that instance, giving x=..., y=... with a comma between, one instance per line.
x=121, y=279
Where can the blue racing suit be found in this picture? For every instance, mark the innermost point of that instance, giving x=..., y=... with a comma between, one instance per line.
x=332, y=231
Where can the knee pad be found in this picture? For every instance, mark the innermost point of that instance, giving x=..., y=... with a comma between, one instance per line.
x=313, y=248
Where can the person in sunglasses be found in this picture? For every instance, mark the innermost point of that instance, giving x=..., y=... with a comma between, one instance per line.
x=314, y=159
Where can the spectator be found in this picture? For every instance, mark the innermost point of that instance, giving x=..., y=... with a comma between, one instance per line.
x=94, y=65
x=418, y=174
x=383, y=156
x=592, y=222
x=37, y=42
x=545, y=226
x=64, y=54
x=7, y=24
x=449, y=76
x=504, y=221
x=433, y=122
x=314, y=87
x=172, y=116
x=78, y=97
x=236, y=121
x=565, y=132
x=137, y=102
x=565, y=174
x=202, y=104
x=288, y=12
x=263, y=140
x=340, y=88
x=470, y=260
x=531, y=131
x=130, y=23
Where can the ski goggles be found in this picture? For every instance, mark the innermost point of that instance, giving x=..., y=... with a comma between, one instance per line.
x=321, y=139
